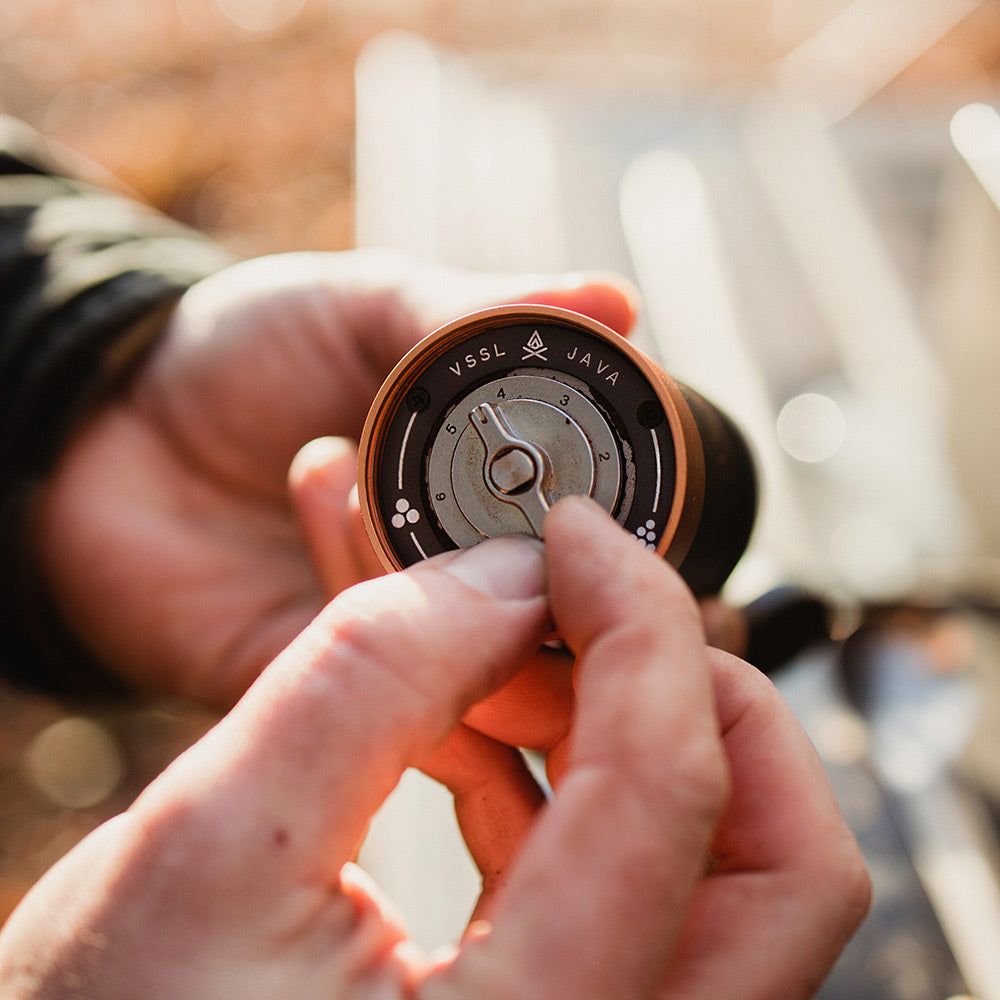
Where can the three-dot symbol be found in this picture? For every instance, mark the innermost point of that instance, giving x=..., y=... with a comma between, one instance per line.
x=646, y=533
x=405, y=514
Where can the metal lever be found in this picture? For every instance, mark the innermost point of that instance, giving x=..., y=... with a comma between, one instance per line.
x=514, y=469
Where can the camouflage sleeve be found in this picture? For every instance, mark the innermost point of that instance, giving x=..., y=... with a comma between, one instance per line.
x=86, y=278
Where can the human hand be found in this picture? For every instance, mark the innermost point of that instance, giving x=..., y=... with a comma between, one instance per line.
x=231, y=876
x=168, y=535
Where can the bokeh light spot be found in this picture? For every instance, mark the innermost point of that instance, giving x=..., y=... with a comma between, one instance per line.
x=76, y=763
x=811, y=427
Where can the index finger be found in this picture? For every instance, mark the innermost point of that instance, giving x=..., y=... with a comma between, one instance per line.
x=597, y=899
x=424, y=296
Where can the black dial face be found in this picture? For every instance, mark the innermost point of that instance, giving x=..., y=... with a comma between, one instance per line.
x=485, y=426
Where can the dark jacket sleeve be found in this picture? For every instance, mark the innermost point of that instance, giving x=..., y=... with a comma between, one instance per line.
x=86, y=279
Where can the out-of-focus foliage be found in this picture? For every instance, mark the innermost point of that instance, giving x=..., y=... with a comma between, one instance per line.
x=237, y=115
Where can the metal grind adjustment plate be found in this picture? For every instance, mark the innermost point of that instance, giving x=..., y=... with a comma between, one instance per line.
x=512, y=447
x=491, y=420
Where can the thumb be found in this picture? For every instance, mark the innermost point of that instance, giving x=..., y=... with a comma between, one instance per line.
x=371, y=687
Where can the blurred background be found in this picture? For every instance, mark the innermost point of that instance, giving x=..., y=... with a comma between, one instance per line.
x=806, y=194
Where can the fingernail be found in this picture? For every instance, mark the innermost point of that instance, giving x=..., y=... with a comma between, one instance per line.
x=511, y=568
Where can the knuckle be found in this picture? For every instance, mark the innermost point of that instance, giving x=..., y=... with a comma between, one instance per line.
x=382, y=648
x=688, y=779
x=697, y=778
x=840, y=876
x=857, y=884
